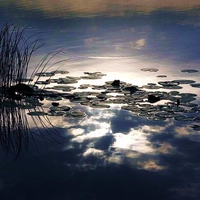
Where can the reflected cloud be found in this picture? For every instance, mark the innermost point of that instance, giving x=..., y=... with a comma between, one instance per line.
x=140, y=43
x=187, y=132
x=99, y=7
x=93, y=152
x=165, y=148
x=134, y=140
x=150, y=165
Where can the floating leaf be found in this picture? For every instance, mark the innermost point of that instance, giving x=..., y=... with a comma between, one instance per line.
x=59, y=113
x=174, y=93
x=64, y=88
x=99, y=105
x=168, y=83
x=84, y=86
x=149, y=69
x=176, y=87
x=196, y=85
x=166, y=114
x=161, y=76
x=189, y=70
x=41, y=82
x=37, y=113
x=59, y=108
x=67, y=80
x=58, y=98
x=45, y=74
x=184, y=118
x=182, y=81
x=151, y=87
x=79, y=99
x=91, y=77
x=60, y=72
x=75, y=114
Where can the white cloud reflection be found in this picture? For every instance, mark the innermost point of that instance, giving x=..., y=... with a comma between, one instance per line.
x=134, y=140
x=140, y=43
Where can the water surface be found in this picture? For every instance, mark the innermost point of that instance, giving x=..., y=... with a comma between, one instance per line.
x=111, y=153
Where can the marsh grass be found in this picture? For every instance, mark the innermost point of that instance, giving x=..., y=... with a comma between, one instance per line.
x=14, y=130
x=16, y=136
x=15, y=54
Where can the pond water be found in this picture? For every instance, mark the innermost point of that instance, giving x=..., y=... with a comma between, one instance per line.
x=106, y=139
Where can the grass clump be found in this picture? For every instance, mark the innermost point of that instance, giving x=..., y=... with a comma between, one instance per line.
x=15, y=54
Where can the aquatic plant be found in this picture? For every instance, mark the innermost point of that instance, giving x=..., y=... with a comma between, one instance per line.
x=15, y=54
x=16, y=136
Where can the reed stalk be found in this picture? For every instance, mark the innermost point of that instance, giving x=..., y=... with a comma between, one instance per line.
x=15, y=54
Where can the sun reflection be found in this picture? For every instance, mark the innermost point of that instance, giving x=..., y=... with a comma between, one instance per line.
x=96, y=126
x=134, y=140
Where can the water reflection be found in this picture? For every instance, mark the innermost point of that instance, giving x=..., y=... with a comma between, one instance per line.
x=17, y=135
x=99, y=7
x=112, y=153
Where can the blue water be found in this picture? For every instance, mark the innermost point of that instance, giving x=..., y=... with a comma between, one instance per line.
x=112, y=153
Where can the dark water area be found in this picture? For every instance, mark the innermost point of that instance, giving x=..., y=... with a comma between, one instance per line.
x=112, y=144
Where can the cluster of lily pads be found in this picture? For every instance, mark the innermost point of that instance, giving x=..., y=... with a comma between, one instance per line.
x=164, y=105
x=129, y=97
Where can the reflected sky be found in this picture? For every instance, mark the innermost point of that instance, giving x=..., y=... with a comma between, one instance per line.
x=110, y=150
x=99, y=7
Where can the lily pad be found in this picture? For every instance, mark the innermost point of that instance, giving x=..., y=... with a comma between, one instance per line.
x=37, y=113
x=182, y=81
x=79, y=99
x=151, y=87
x=84, y=86
x=176, y=87
x=166, y=114
x=149, y=69
x=68, y=80
x=98, y=87
x=41, y=82
x=172, y=109
x=58, y=98
x=187, y=95
x=52, y=113
x=162, y=76
x=99, y=105
x=174, y=93
x=184, y=118
x=75, y=114
x=196, y=85
x=60, y=72
x=91, y=77
x=64, y=88
x=45, y=74
x=59, y=108
x=91, y=74
x=168, y=83
x=189, y=70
